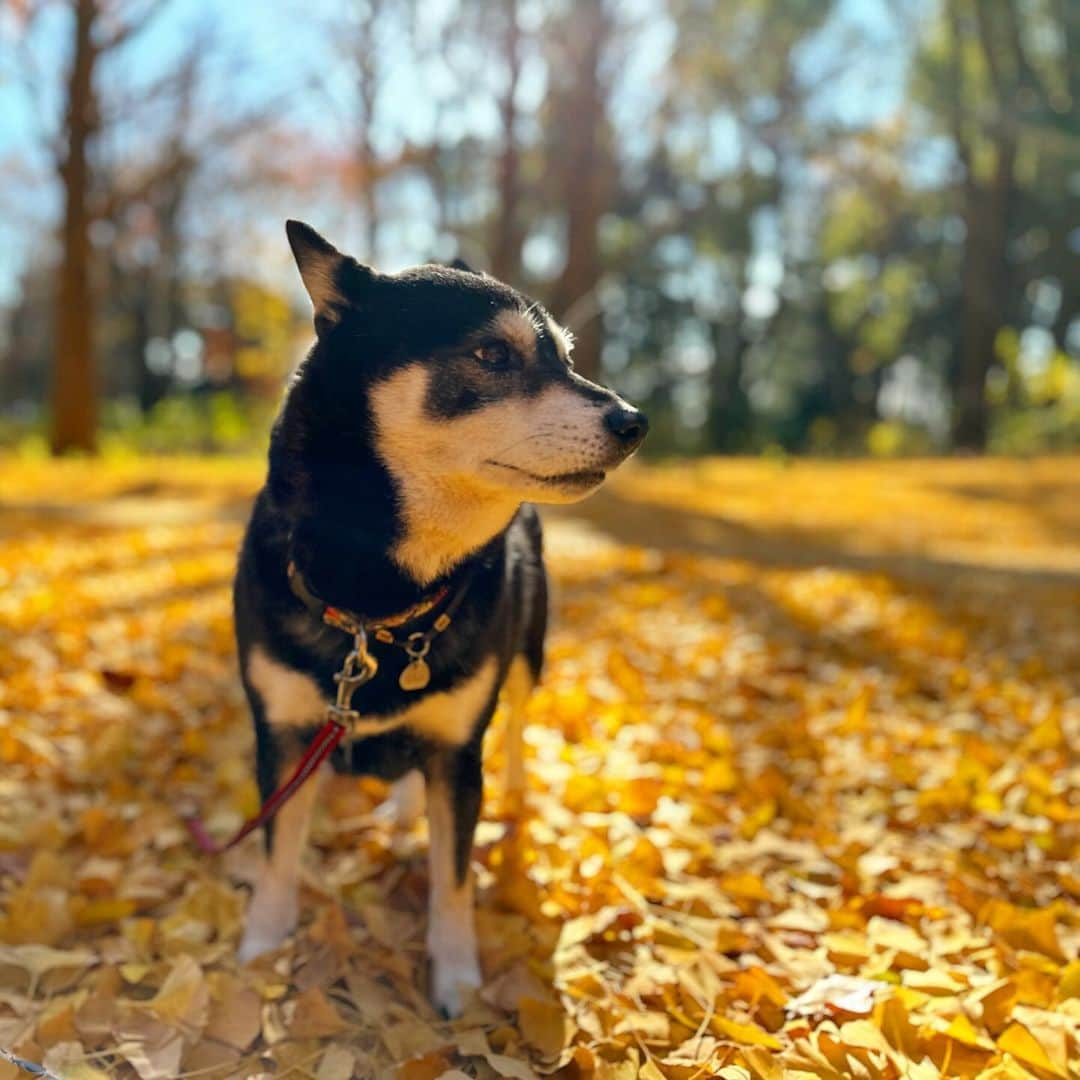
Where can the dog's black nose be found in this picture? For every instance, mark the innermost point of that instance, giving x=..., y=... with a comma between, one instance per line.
x=629, y=426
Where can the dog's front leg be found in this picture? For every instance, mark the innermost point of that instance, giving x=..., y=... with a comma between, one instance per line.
x=275, y=904
x=454, y=793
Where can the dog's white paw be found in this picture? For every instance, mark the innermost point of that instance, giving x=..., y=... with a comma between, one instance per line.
x=453, y=982
x=271, y=918
x=254, y=945
x=405, y=803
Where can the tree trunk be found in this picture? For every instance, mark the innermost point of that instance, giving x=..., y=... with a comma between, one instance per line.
x=585, y=182
x=730, y=417
x=367, y=158
x=74, y=389
x=985, y=290
x=507, y=238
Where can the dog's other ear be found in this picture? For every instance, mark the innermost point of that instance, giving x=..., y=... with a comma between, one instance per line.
x=326, y=273
x=460, y=264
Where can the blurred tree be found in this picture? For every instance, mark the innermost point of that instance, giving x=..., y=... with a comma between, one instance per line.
x=129, y=154
x=364, y=53
x=74, y=382
x=477, y=182
x=727, y=176
x=96, y=33
x=146, y=203
x=999, y=77
x=580, y=159
x=144, y=206
x=507, y=232
x=751, y=230
x=885, y=272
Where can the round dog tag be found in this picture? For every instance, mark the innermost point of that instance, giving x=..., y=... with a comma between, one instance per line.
x=415, y=675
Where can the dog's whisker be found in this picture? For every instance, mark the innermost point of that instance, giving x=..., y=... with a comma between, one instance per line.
x=532, y=437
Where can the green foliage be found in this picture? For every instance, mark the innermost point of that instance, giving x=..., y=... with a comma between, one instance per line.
x=220, y=422
x=891, y=438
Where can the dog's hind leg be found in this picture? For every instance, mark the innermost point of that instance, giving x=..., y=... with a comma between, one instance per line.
x=521, y=679
x=519, y=685
x=275, y=904
x=454, y=793
x=405, y=803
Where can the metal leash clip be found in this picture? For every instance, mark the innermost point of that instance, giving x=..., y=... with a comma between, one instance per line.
x=358, y=668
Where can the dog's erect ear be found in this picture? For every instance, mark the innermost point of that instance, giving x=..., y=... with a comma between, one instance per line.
x=327, y=274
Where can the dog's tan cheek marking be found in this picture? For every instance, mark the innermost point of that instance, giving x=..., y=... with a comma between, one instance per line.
x=288, y=697
x=418, y=448
x=446, y=512
x=450, y=716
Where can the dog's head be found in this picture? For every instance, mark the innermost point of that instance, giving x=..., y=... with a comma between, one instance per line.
x=466, y=381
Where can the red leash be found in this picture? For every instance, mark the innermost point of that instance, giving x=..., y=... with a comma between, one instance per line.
x=330, y=734
x=358, y=668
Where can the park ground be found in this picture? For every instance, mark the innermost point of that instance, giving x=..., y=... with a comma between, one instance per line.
x=803, y=792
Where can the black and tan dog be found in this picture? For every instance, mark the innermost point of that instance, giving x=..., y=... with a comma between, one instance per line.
x=435, y=405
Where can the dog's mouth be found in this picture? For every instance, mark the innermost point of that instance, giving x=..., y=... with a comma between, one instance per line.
x=583, y=478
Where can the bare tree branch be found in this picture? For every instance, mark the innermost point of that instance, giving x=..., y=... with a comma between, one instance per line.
x=130, y=28
x=30, y=76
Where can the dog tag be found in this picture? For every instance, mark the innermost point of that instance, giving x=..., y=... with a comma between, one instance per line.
x=415, y=675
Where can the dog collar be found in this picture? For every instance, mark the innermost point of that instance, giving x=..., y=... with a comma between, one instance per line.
x=416, y=674
x=349, y=621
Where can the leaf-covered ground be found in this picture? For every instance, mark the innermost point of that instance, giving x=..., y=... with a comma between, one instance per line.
x=803, y=793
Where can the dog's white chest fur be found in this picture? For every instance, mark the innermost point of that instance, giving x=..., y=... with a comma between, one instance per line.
x=290, y=698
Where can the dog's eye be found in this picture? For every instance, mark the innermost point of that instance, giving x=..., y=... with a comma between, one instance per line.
x=496, y=355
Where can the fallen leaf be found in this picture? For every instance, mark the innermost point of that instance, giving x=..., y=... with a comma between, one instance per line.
x=313, y=1016
x=835, y=993
x=545, y=1025
x=184, y=997
x=1019, y=1042
x=412, y=1039
x=744, y=1034
x=337, y=1063
x=429, y=1067
x=235, y=1015
x=152, y=1048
